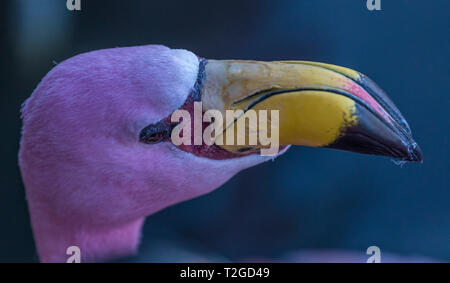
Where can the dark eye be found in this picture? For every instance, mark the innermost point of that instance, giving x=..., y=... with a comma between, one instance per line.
x=154, y=138
x=155, y=133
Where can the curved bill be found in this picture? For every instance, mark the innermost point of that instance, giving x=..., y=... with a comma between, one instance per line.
x=315, y=104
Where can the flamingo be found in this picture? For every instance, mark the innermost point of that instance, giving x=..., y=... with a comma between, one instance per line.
x=96, y=156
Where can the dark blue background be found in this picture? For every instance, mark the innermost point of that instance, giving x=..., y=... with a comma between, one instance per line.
x=308, y=198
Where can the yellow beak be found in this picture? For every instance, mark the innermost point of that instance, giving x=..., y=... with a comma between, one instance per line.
x=319, y=105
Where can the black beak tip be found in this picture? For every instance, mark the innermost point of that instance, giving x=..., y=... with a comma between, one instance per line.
x=415, y=153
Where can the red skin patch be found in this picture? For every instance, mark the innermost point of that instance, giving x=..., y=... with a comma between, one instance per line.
x=359, y=92
x=204, y=150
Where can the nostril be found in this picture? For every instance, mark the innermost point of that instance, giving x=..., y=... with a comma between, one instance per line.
x=244, y=149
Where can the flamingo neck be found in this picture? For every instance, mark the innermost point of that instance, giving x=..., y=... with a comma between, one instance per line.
x=95, y=243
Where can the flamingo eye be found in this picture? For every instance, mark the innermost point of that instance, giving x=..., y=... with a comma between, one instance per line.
x=156, y=133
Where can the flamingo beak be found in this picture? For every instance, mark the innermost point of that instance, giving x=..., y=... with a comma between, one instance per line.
x=318, y=104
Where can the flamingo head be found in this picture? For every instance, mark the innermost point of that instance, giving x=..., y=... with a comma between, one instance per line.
x=96, y=154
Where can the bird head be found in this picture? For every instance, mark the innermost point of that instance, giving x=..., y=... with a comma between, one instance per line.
x=97, y=156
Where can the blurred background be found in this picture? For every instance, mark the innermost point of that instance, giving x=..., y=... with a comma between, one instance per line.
x=308, y=199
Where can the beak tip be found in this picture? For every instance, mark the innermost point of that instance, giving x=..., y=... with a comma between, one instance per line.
x=415, y=153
